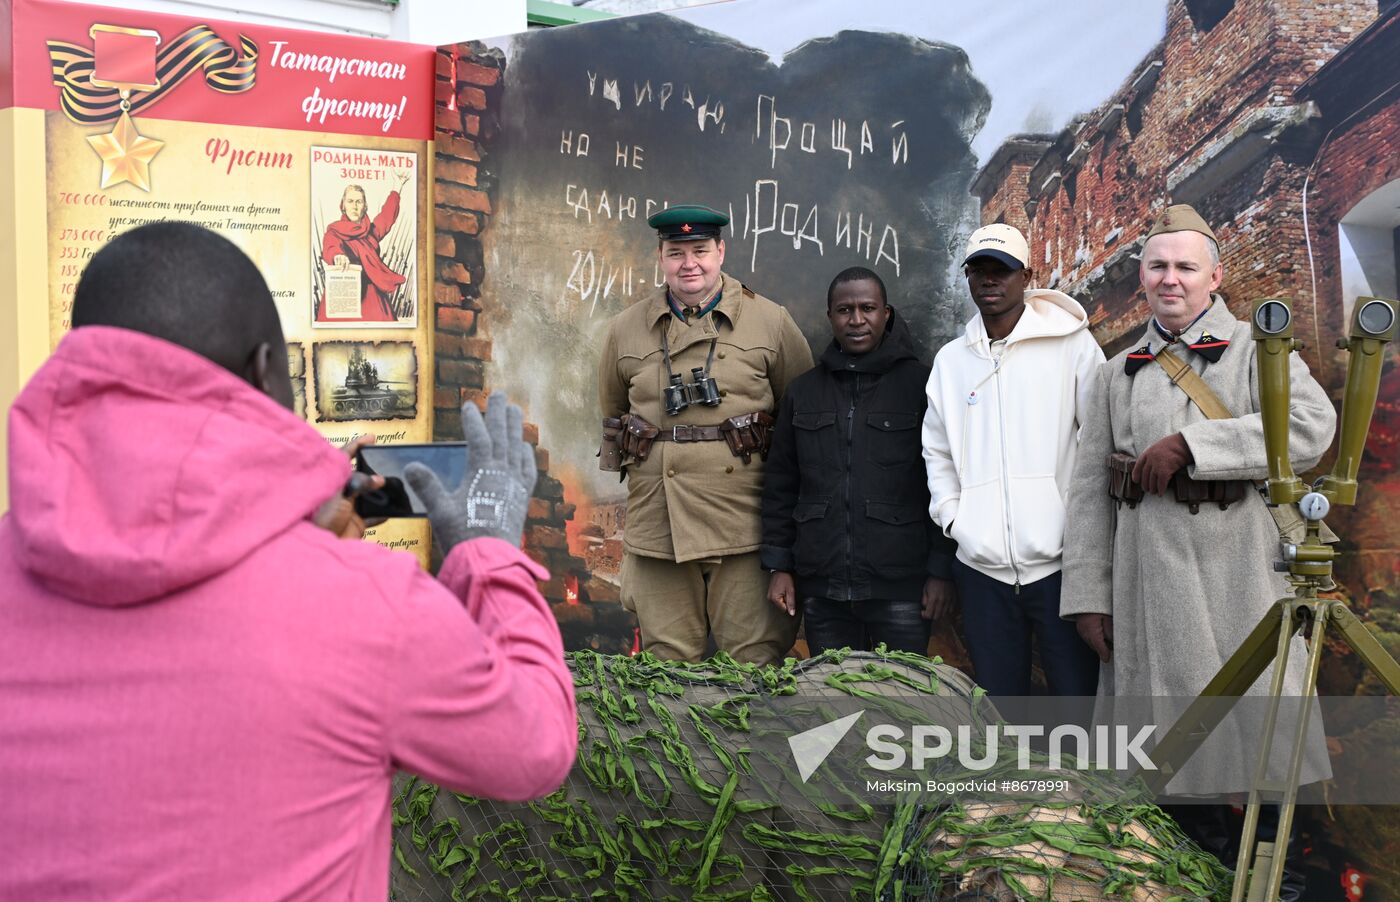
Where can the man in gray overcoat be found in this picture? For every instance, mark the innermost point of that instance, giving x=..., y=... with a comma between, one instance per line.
x=1164, y=593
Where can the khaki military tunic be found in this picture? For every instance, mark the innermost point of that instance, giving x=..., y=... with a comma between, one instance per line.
x=695, y=501
x=692, y=536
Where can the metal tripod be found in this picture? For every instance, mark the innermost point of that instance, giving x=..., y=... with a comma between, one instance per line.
x=1260, y=869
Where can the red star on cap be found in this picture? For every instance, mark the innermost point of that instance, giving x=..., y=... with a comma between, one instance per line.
x=686, y=228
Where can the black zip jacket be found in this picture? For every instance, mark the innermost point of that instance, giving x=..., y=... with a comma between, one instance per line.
x=845, y=493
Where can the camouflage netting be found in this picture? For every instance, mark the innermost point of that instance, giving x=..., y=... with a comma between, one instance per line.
x=673, y=797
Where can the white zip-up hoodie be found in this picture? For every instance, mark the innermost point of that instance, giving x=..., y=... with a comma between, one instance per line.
x=999, y=438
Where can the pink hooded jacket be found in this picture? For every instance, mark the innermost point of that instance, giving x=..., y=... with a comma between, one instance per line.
x=202, y=694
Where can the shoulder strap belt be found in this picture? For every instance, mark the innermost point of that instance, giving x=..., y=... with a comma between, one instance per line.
x=1189, y=381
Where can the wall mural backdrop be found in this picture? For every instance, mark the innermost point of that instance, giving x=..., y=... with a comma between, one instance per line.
x=882, y=135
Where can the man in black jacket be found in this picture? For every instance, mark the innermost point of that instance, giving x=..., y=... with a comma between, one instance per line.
x=845, y=496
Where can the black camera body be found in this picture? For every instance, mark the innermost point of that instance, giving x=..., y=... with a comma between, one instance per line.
x=447, y=461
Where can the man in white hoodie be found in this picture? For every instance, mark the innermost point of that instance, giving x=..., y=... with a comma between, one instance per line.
x=1005, y=403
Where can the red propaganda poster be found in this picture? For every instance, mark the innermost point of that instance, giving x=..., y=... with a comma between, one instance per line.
x=265, y=135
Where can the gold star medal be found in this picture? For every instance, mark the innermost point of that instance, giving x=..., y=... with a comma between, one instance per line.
x=125, y=59
x=126, y=154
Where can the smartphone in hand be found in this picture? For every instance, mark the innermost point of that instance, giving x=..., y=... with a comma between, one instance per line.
x=448, y=460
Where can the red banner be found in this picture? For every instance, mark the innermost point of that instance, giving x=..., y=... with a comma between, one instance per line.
x=93, y=62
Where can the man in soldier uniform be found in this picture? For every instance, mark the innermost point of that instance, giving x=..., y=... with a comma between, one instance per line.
x=687, y=382
x=1162, y=582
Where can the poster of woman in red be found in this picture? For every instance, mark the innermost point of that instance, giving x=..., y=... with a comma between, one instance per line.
x=365, y=256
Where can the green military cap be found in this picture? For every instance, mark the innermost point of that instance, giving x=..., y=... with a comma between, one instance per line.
x=1181, y=218
x=687, y=222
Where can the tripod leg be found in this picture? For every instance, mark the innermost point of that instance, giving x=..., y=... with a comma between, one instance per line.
x=1247, y=870
x=1279, y=848
x=1370, y=651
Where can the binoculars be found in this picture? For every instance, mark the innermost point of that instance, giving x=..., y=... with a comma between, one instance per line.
x=1373, y=325
x=702, y=390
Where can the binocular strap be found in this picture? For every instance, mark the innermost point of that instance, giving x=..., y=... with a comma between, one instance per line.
x=666, y=353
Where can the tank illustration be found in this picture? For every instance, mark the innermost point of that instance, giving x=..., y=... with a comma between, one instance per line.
x=363, y=392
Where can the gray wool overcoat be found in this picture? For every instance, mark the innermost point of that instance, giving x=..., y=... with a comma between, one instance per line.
x=1185, y=590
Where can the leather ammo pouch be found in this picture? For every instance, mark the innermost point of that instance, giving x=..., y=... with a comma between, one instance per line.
x=1188, y=491
x=610, y=453
x=637, y=436
x=1121, y=487
x=748, y=434
x=1195, y=492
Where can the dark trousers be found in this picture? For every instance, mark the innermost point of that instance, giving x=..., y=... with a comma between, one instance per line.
x=862, y=625
x=998, y=623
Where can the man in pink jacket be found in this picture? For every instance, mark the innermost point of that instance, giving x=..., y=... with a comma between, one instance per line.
x=203, y=693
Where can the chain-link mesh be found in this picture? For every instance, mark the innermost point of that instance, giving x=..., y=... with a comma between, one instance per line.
x=672, y=797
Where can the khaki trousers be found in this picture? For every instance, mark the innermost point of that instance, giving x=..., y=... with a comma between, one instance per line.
x=677, y=605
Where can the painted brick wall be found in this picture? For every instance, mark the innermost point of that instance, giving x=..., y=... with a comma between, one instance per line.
x=463, y=184
x=468, y=91
x=468, y=94
x=1003, y=183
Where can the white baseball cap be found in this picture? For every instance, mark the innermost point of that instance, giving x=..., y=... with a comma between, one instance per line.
x=1000, y=242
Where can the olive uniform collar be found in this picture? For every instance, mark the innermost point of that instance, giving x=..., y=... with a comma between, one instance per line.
x=729, y=306
x=678, y=310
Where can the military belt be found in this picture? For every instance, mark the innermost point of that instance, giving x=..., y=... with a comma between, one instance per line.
x=689, y=434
